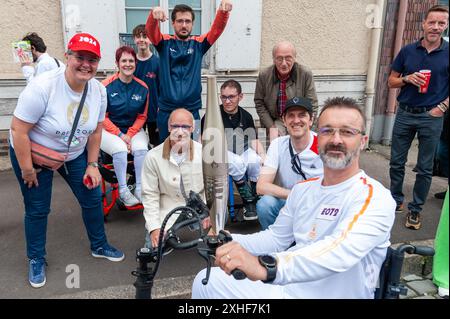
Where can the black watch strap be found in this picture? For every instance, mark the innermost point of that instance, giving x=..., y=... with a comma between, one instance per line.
x=270, y=263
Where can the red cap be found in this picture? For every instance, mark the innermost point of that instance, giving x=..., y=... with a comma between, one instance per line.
x=84, y=42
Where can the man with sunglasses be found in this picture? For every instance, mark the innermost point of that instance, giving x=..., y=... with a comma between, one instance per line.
x=170, y=171
x=290, y=159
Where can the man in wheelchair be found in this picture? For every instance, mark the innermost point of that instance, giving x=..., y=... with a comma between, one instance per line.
x=340, y=222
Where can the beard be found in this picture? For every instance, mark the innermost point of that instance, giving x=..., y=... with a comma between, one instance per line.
x=339, y=162
x=183, y=36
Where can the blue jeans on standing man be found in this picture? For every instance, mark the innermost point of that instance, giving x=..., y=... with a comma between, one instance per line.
x=428, y=130
x=37, y=202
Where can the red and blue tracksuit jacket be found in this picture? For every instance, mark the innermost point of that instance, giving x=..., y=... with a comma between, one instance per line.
x=181, y=62
x=127, y=105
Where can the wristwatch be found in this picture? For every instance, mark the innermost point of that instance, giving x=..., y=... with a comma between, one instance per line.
x=270, y=263
x=93, y=164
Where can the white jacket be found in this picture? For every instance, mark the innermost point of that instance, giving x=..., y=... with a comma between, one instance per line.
x=341, y=234
x=161, y=183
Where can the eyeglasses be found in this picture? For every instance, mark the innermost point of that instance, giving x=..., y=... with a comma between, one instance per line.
x=343, y=131
x=184, y=127
x=280, y=59
x=81, y=59
x=229, y=97
x=183, y=21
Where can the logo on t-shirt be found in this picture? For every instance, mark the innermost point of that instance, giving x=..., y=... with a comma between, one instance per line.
x=329, y=212
x=151, y=75
x=72, y=112
x=136, y=97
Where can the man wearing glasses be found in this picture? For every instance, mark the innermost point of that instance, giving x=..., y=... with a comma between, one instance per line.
x=280, y=82
x=181, y=59
x=245, y=151
x=170, y=171
x=340, y=222
x=290, y=159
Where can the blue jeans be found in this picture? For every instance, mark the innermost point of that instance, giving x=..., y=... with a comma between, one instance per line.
x=268, y=207
x=162, y=121
x=428, y=130
x=37, y=202
x=443, y=157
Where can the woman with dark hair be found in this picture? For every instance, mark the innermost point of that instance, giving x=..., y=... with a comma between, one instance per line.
x=126, y=115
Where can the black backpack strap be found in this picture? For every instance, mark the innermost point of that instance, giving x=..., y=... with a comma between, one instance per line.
x=57, y=62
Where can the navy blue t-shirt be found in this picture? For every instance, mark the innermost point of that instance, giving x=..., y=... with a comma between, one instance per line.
x=148, y=71
x=413, y=58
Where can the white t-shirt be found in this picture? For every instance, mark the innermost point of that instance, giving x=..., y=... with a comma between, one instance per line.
x=43, y=64
x=50, y=104
x=279, y=158
x=341, y=232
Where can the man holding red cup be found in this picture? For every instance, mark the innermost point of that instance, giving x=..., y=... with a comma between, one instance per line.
x=421, y=71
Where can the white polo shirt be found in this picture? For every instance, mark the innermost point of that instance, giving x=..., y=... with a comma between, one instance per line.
x=278, y=157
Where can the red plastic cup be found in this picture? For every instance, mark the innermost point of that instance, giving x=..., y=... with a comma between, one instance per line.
x=88, y=182
x=424, y=88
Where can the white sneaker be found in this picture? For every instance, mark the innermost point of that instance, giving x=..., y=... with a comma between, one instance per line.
x=138, y=194
x=127, y=198
x=443, y=292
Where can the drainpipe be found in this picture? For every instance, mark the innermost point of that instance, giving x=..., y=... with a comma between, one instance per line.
x=375, y=50
x=392, y=97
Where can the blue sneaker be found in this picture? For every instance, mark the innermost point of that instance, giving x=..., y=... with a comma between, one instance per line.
x=108, y=252
x=36, y=274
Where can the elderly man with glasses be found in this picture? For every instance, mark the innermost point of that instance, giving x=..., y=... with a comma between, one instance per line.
x=290, y=159
x=281, y=81
x=170, y=171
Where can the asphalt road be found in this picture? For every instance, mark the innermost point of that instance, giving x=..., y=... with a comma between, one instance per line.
x=67, y=243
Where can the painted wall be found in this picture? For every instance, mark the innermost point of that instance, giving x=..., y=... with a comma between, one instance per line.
x=22, y=16
x=331, y=37
x=332, y=40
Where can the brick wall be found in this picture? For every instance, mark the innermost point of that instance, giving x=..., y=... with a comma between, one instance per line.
x=413, y=31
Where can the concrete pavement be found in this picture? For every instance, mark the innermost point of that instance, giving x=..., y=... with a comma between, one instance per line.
x=67, y=243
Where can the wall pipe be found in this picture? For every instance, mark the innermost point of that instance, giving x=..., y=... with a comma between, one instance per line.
x=375, y=50
x=392, y=97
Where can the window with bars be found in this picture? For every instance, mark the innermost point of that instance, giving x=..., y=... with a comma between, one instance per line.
x=136, y=12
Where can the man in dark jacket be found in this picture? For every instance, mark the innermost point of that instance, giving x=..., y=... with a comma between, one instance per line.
x=280, y=82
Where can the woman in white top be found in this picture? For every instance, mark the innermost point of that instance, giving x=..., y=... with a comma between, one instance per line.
x=45, y=114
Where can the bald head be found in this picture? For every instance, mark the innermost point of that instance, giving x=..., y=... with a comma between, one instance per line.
x=284, y=46
x=181, y=116
x=284, y=55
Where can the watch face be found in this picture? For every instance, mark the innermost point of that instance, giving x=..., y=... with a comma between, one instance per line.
x=268, y=260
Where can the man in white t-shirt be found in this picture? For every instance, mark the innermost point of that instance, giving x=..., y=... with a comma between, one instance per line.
x=340, y=222
x=290, y=159
x=43, y=61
